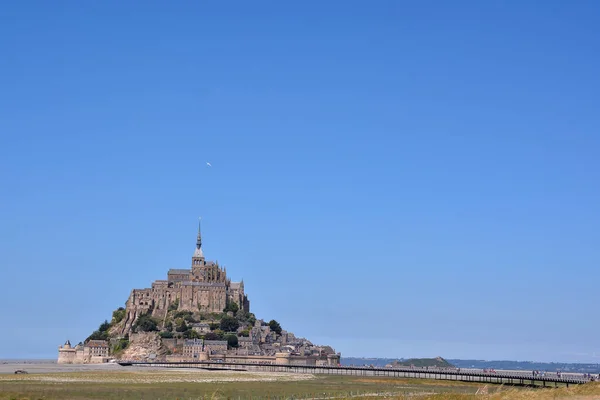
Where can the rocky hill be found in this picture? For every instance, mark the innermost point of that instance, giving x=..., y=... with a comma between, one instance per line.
x=200, y=302
x=438, y=362
x=145, y=338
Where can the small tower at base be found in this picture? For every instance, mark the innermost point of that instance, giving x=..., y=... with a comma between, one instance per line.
x=66, y=353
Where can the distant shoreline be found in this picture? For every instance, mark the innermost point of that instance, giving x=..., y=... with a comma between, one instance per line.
x=27, y=361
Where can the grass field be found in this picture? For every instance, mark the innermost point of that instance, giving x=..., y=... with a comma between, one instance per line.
x=188, y=385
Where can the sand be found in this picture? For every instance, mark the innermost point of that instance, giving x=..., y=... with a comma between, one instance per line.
x=37, y=367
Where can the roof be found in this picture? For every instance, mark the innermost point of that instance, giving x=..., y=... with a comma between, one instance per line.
x=206, y=284
x=179, y=271
x=97, y=343
x=215, y=342
x=198, y=253
x=192, y=342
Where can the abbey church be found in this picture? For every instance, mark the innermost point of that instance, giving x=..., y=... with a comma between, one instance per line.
x=202, y=288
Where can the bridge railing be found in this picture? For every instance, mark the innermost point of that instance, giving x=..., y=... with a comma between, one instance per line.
x=454, y=372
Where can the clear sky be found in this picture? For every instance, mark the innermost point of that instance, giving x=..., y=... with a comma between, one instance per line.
x=392, y=178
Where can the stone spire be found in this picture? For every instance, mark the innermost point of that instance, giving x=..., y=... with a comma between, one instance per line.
x=198, y=252
x=199, y=238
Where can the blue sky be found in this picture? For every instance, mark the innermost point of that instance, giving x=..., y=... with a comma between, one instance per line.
x=392, y=178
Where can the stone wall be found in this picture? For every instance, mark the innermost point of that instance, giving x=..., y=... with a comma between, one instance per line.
x=66, y=356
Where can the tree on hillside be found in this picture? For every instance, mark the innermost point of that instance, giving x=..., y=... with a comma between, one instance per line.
x=145, y=323
x=211, y=336
x=220, y=334
x=104, y=326
x=120, y=345
x=191, y=334
x=229, y=324
x=245, y=318
x=232, y=341
x=97, y=335
x=275, y=327
x=180, y=325
x=231, y=306
x=188, y=316
x=101, y=333
x=118, y=315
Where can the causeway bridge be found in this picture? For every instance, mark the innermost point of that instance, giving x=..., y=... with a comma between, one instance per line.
x=522, y=378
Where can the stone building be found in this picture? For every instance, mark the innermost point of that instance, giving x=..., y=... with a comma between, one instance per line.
x=201, y=327
x=97, y=348
x=66, y=353
x=193, y=349
x=92, y=352
x=215, y=346
x=203, y=287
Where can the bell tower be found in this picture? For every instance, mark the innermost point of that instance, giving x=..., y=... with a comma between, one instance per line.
x=198, y=257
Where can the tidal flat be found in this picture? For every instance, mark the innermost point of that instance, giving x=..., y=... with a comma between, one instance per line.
x=110, y=381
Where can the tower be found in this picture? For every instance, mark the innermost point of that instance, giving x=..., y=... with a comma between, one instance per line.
x=198, y=257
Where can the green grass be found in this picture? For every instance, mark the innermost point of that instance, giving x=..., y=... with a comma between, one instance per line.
x=188, y=385
x=155, y=385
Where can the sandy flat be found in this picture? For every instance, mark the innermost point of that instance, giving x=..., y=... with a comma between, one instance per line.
x=114, y=373
x=9, y=367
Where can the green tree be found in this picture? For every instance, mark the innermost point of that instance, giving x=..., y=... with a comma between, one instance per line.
x=188, y=316
x=232, y=341
x=216, y=316
x=166, y=335
x=244, y=333
x=275, y=327
x=145, y=323
x=211, y=336
x=180, y=325
x=97, y=335
x=191, y=334
x=220, y=334
x=120, y=345
x=231, y=306
x=104, y=326
x=118, y=315
x=214, y=325
x=229, y=324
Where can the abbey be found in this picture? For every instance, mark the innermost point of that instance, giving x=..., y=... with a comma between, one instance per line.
x=203, y=288
x=196, y=314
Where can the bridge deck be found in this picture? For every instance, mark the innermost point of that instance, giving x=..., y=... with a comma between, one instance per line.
x=501, y=377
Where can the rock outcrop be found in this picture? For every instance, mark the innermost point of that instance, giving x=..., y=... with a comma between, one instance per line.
x=144, y=346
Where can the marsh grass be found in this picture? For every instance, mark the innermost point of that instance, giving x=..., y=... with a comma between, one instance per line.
x=195, y=385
